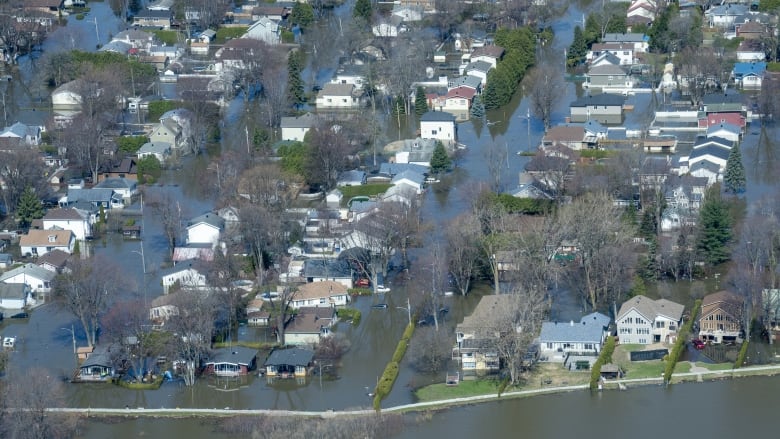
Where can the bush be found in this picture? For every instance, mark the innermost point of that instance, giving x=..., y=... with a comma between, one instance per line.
x=131, y=144
x=604, y=357
x=349, y=314
x=679, y=344
x=385, y=384
x=742, y=354
x=79, y=16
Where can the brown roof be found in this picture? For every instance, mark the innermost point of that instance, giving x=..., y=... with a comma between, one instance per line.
x=126, y=166
x=306, y=324
x=492, y=51
x=62, y=238
x=721, y=296
x=565, y=134
x=68, y=213
x=42, y=3
x=56, y=258
x=481, y=317
x=314, y=290
x=258, y=315
x=336, y=90
x=321, y=312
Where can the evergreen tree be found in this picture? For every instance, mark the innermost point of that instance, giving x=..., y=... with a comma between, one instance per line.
x=648, y=227
x=399, y=106
x=302, y=14
x=295, y=89
x=440, y=161
x=363, y=9
x=420, y=102
x=715, y=227
x=734, y=177
x=478, y=108
x=578, y=48
x=29, y=208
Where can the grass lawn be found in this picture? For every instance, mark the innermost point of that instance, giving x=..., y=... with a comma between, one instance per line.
x=366, y=190
x=226, y=33
x=169, y=37
x=716, y=366
x=436, y=392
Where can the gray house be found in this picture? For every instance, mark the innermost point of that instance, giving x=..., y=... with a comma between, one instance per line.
x=607, y=76
x=603, y=108
x=559, y=340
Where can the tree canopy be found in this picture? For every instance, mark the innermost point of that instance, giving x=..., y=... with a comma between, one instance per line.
x=715, y=223
x=734, y=177
x=440, y=161
x=29, y=208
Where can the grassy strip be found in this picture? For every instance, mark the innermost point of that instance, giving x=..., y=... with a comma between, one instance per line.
x=679, y=344
x=154, y=385
x=596, y=153
x=360, y=291
x=742, y=354
x=349, y=314
x=169, y=37
x=440, y=391
x=604, y=357
x=385, y=384
x=364, y=190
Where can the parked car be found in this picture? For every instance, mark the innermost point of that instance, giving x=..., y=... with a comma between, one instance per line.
x=363, y=283
x=698, y=344
x=382, y=289
x=20, y=315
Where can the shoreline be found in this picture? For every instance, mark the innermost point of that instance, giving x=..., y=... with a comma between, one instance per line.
x=610, y=385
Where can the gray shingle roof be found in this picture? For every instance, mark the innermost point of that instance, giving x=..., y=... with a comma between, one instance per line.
x=608, y=99
x=650, y=309
x=590, y=329
x=31, y=270
x=209, y=218
x=234, y=355
x=437, y=116
x=291, y=357
x=12, y=291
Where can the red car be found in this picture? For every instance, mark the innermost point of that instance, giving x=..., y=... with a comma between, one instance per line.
x=698, y=344
x=363, y=283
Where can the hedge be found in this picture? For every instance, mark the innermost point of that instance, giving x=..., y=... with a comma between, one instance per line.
x=742, y=354
x=679, y=344
x=349, y=314
x=385, y=384
x=604, y=357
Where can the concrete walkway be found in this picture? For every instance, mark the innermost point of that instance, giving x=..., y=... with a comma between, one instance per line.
x=696, y=371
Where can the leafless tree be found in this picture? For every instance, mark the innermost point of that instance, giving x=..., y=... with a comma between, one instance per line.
x=700, y=70
x=333, y=347
x=329, y=149
x=19, y=33
x=272, y=427
x=18, y=171
x=429, y=351
x=25, y=401
x=495, y=159
x=268, y=186
x=463, y=236
x=544, y=83
x=262, y=231
x=274, y=102
x=193, y=325
x=168, y=211
x=126, y=325
x=496, y=226
x=553, y=168
x=86, y=291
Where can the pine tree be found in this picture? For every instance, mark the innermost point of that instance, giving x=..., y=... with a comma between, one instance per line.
x=29, y=208
x=302, y=14
x=477, y=108
x=363, y=9
x=420, y=102
x=715, y=227
x=295, y=89
x=734, y=177
x=440, y=161
x=578, y=48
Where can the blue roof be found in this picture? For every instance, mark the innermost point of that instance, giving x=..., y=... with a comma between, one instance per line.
x=749, y=68
x=397, y=168
x=590, y=329
x=437, y=116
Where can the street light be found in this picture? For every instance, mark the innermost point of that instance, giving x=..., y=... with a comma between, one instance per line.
x=73, y=337
x=408, y=309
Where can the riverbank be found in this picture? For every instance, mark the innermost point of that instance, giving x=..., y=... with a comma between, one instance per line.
x=699, y=374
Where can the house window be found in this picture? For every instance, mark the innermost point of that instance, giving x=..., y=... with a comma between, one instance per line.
x=642, y=341
x=549, y=345
x=344, y=100
x=322, y=301
x=589, y=346
x=659, y=324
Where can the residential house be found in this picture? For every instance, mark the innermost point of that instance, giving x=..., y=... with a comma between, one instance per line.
x=413, y=180
x=265, y=30
x=730, y=102
x=477, y=336
x=168, y=131
x=529, y=187
x=68, y=95
x=123, y=187
x=751, y=30
x=606, y=58
x=184, y=276
x=389, y=28
x=349, y=74
x=751, y=51
x=624, y=52
x=115, y=46
x=712, y=149
x=6, y=259
x=68, y=218
x=458, y=99
x=159, y=150
x=559, y=340
x=479, y=69
x=685, y=193
x=231, y=361
x=153, y=18
x=641, y=12
x=416, y=151
x=37, y=278
x=48, y=6
x=271, y=12
x=289, y=363
x=641, y=42
x=644, y=321
x=15, y=295
x=489, y=54
x=27, y=134
x=408, y=12
x=255, y=314
x=569, y=136
x=749, y=75
x=124, y=169
x=438, y=125
x=324, y=293
x=337, y=96
x=98, y=367
x=354, y=177
x=400, y=193
x=205, y=229
x=160, y=5
x=137, y=39
x=231, y=217
x=714, y=118
x=55, y=261
x=604, y=108
x=96, y=197
x=164, y=307
x=705, y=169
x=770, y=311
x=724, y=15
x=608, y=76
x=309, y=326
x=721, y=317
x=467, y=81
x=296, y=127
x=39, y=242
x=725, y=131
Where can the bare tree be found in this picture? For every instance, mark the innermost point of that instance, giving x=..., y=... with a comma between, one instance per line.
x=430, y=350
x=329, y=149
x=268, y=186
x=495, y=158
x=495, y=226
x=700, y=70
x=127, y=326
x=193, y=325
x=553, y=168
x=544, y=84
x=86, y=290
x=168, y=211
x=263, y=233
x=18, y=171
x=463, y=236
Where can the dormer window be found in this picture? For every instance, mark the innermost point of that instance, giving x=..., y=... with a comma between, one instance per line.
x=52, y=238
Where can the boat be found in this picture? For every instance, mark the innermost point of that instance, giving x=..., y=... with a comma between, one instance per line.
x=379, y=306
x=270, y=295
x=382, y=289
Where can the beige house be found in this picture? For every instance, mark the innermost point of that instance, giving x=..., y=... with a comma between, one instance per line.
x=721, y=318
x=39, y=242
x=337, y=96
x=325, y=293
x=476, y=336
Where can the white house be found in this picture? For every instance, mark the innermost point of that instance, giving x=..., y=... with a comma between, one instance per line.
x=479, y=69
x=459, y=99
x=488, y=54
x=725, y=14
x=205, y=229
x=337, y=96
x=557, y=339
x=641, y=42
x=37, y=278
x=411, y=179
x=169, y=131
x=296, y=127
x=725, y=130
x=160, y=150
x=645, y=321
x=76, y=220
x=711, y=149
x=29, y=134
x=40, y=242
x=185, y=276
x=14, y=296
x=265, y=30
x=349, y=75
x=124, y=187
x=623, y=51
x=326, y=293
x=67, y=96
x=438, y=125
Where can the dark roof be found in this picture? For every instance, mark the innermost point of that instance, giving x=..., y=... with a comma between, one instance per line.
x=126, y=166
x=292, y=357
x=608, y=99
x=148, y=13
x=713, y=150
x=99, y=357
x=12, y=291
x=326, y=268
x=590, y=329
x=56, y=258
x=437, y=116
x=721, y=98
x=67, y=213
x=233, y=355
x=209, y=218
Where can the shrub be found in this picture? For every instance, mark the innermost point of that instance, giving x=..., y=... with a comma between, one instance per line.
x=349, y=314
x=604, y=357
x=742, y=354
x=385, y=384
x=679, y=344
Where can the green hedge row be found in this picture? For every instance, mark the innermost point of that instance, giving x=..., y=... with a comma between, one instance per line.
x=679, y=344
x=742, y=354
x=385, y=384
x=604, y=357
x=349, y=314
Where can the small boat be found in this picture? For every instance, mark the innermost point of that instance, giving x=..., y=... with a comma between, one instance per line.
x=382, y=289
x=379, y=306
x=270, y=295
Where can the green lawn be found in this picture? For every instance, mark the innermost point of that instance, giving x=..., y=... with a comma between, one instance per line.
x=366, y=190
x=436, y=392
x=169, y=37
x=226, y=33
x=717, y=366
x=642, y=369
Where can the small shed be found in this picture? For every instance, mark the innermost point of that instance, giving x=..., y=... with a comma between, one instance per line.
x=611, y=371
x=131, y=232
